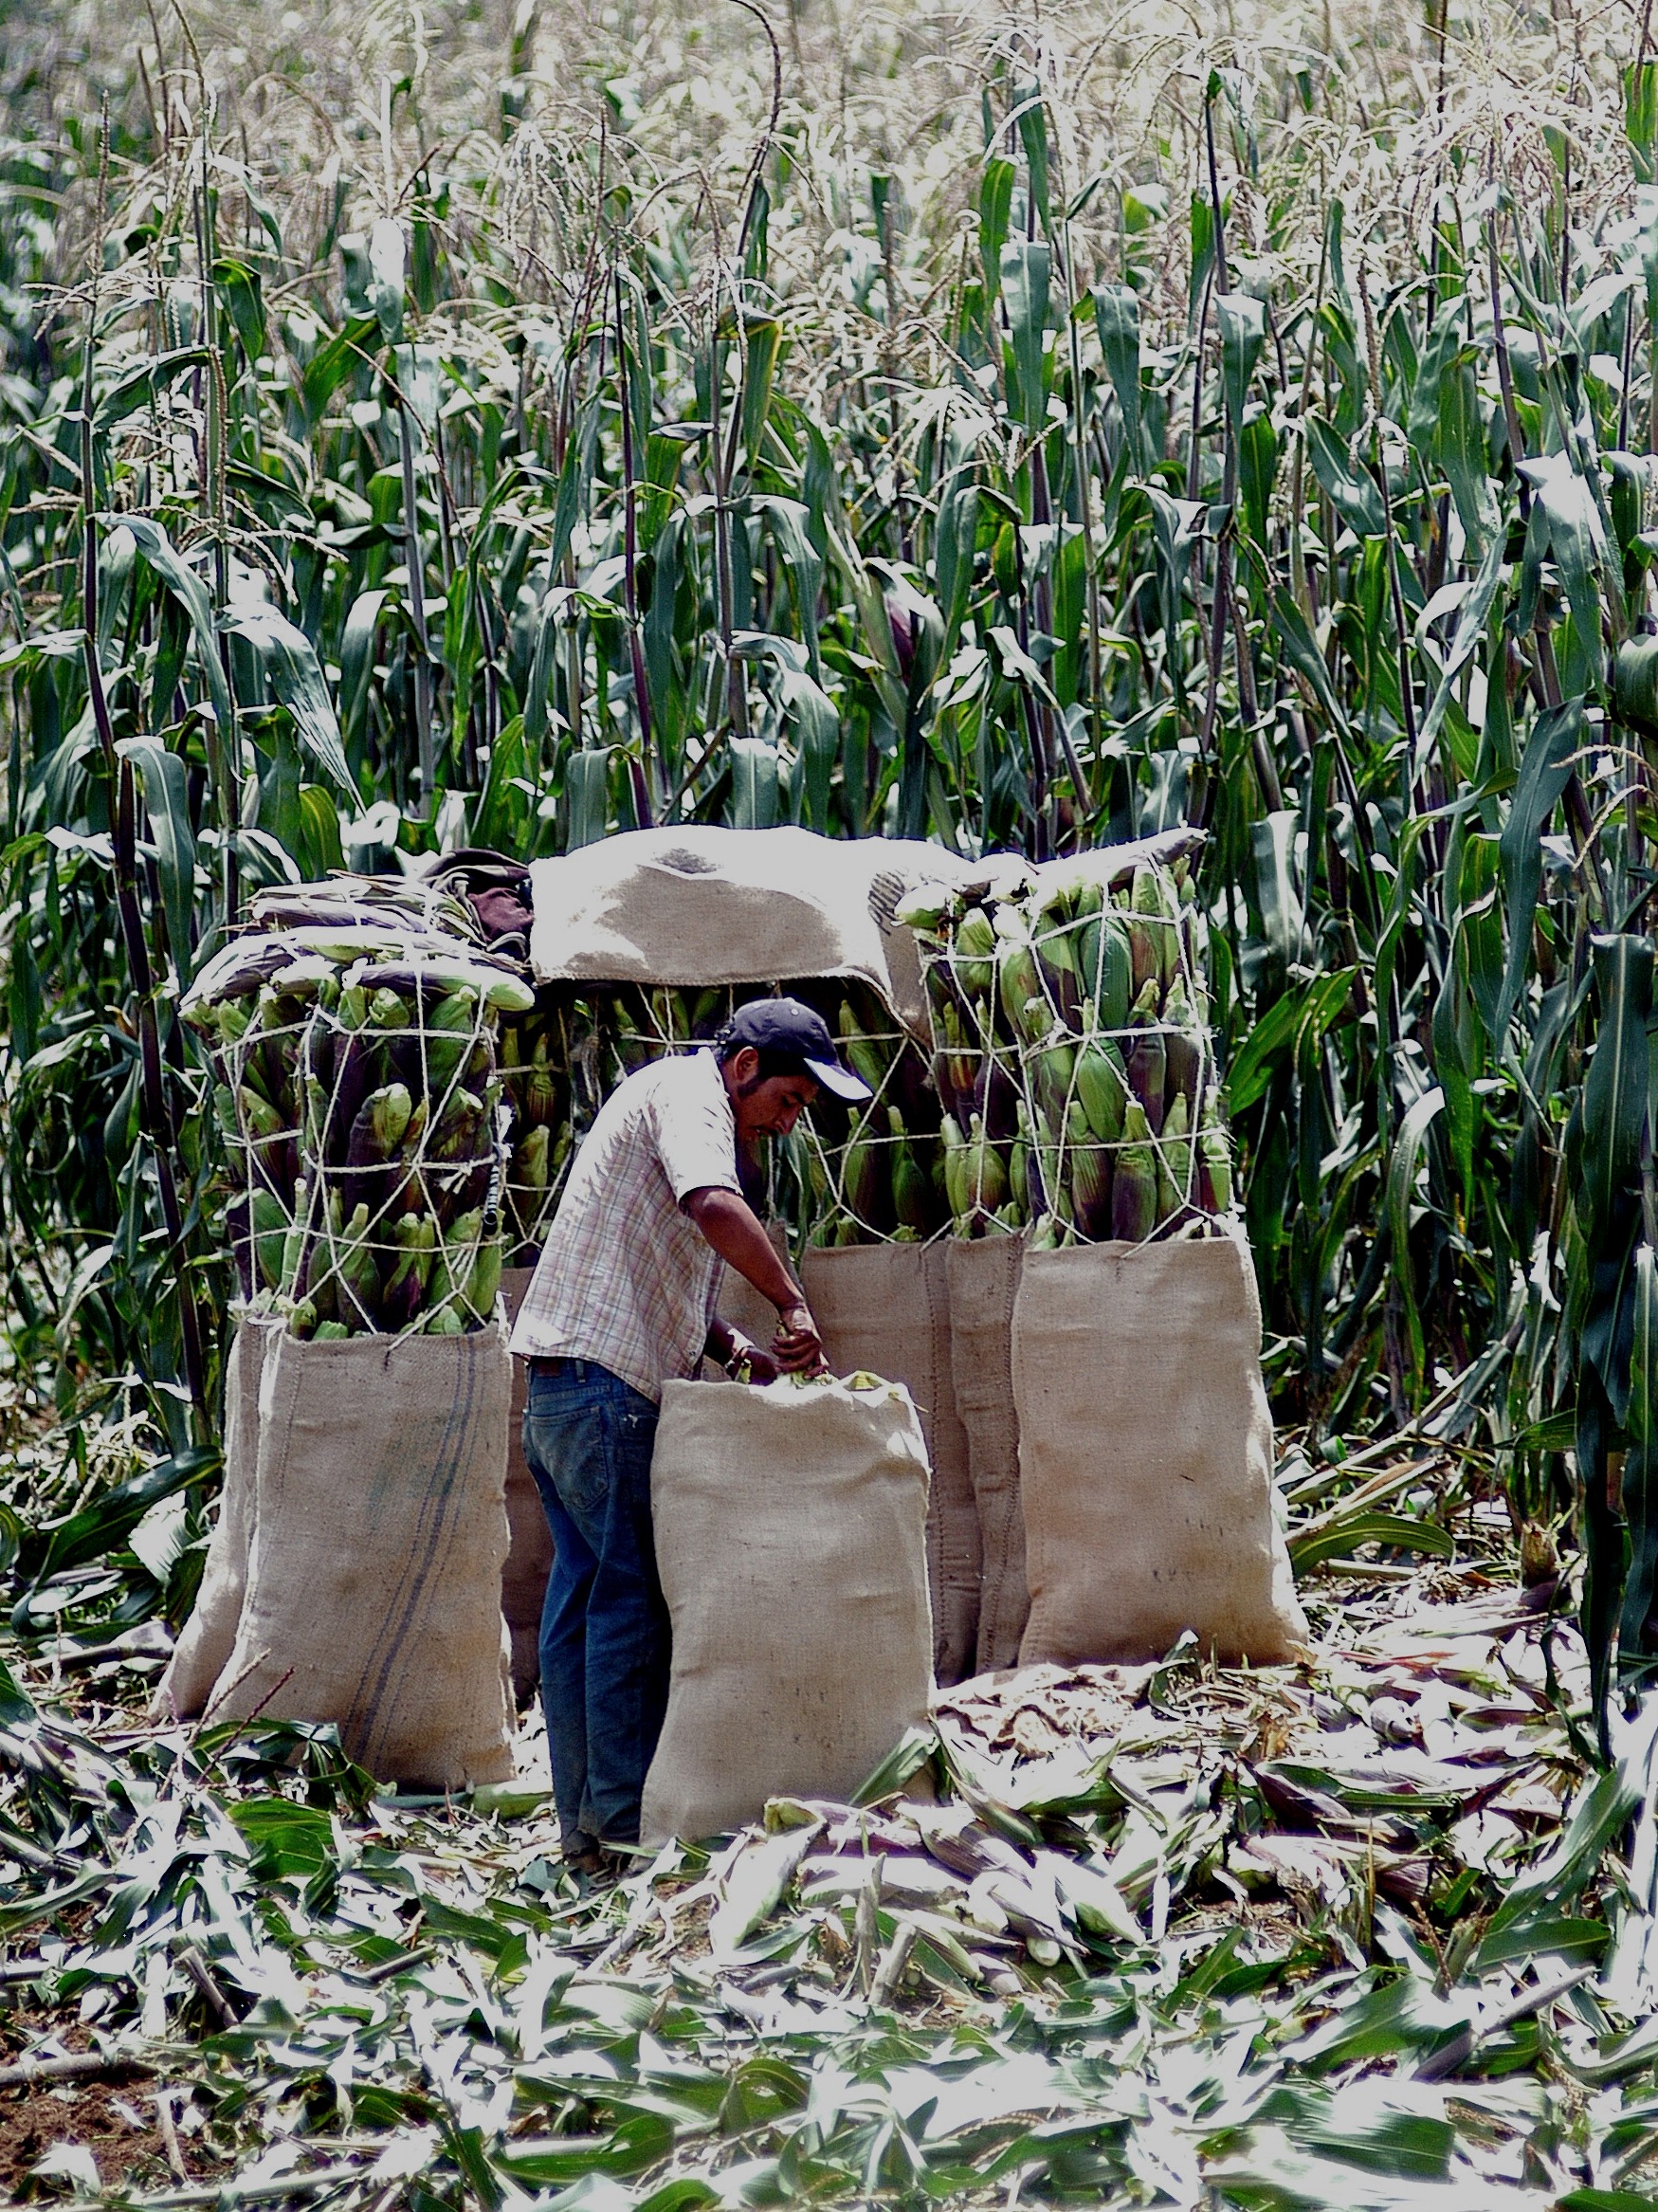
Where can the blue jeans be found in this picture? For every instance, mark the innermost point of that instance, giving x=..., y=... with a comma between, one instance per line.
x=604, y=1647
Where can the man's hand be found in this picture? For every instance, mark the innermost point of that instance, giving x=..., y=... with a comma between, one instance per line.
x=797, y=1348
x=746, y=1353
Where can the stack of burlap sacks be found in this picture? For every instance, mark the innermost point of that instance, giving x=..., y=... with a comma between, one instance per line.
x=1100, y=1443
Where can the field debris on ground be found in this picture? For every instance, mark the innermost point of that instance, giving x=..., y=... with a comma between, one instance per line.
x=1359, y=1932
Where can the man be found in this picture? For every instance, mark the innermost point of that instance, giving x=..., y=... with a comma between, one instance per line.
x=622, y=1299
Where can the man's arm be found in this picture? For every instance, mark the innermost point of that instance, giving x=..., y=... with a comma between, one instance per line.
x=734, y=1230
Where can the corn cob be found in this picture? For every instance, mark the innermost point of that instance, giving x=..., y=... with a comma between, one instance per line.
x=861, y=1052
x=1146, y=1057
x=484, y=1283
x=987, y=1172
x=454, y=1020
x=1053, y=1066
x=1134, y=1182
x=1175, y=1155
x=909, y=1183
x=1057, y=956
x=860, y=1177
x=355, y=1272
x=1215, y=1182
x=530, y=1160
x=1108, y=973
x=955, y=1189
x=1020, y=985
x=382, y=1124
x=1019, y=1162
x=269, y=1224
x=539, y=1100
x=260, y=1119
x=975, y=952
x=1091, y=1178
x=415, y=1238
x=1183, y=1050
x=1101, y=1089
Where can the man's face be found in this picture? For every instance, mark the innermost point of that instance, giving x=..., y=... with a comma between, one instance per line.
x=765, y=1105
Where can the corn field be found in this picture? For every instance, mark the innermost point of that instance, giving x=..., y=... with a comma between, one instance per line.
x=1062, y=438
x=505, y=425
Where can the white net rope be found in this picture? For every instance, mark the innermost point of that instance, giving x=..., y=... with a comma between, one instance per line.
x=363, y=1114
x=867, y=1174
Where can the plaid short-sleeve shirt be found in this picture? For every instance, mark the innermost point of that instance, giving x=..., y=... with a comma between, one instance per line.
x=625, y=1277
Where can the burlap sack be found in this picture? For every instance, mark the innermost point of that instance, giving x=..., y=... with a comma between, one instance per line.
x=206, y=1640
x=1145, y=1449
x=886, y=1308
x=984, y=1278
x=373, y=1576
x=529, y=1558
x=790, y=1540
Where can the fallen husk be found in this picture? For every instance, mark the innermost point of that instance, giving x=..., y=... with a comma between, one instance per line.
x=1356, y=1933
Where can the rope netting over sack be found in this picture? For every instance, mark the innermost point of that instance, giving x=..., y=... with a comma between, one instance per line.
x=1072, y=1053
x=865, y=1173
x=354, y=1032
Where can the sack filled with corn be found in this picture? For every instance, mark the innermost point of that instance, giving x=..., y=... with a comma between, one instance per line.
x=1075, y=989
x=357, y=1094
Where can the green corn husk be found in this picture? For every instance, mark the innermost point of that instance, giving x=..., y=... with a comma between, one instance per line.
x=1175, y=1152
x=537, y=1100
x=860, y=1177
x=1183, y=1049
x=1056, y=954
x=387, y=1010
x=1019, y=1162
x=1091, y=1178
x=987, y=1172
x=1215, y=1166
x=269, y=1224
x=259, y=1118
x=1019, y=983
x=484, y=1283
x=532, y=1159
x=1110, y=971
x=955, y=1185
x=446, y=1322
x=910, y=1191
x=862, y=1053
x=330, y=1332
x=1053, y=1066
x=975, y=952
x=1145, y=1056
x=1134, y=1183
x=1101, y=1089
x=355, y=1270
x=455, y=1018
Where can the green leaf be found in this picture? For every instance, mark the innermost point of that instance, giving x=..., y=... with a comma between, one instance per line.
x=289, y=662
x=166, y=803
x=1615, y=1090
x=1344, y=1537
x=1025, y=277
x=1352, y=492
x=189, y=589
x=1243, y=332
x=1544, y=769
x=1117, y=319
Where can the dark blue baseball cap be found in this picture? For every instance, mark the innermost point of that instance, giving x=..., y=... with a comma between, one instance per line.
x=784, y=1025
